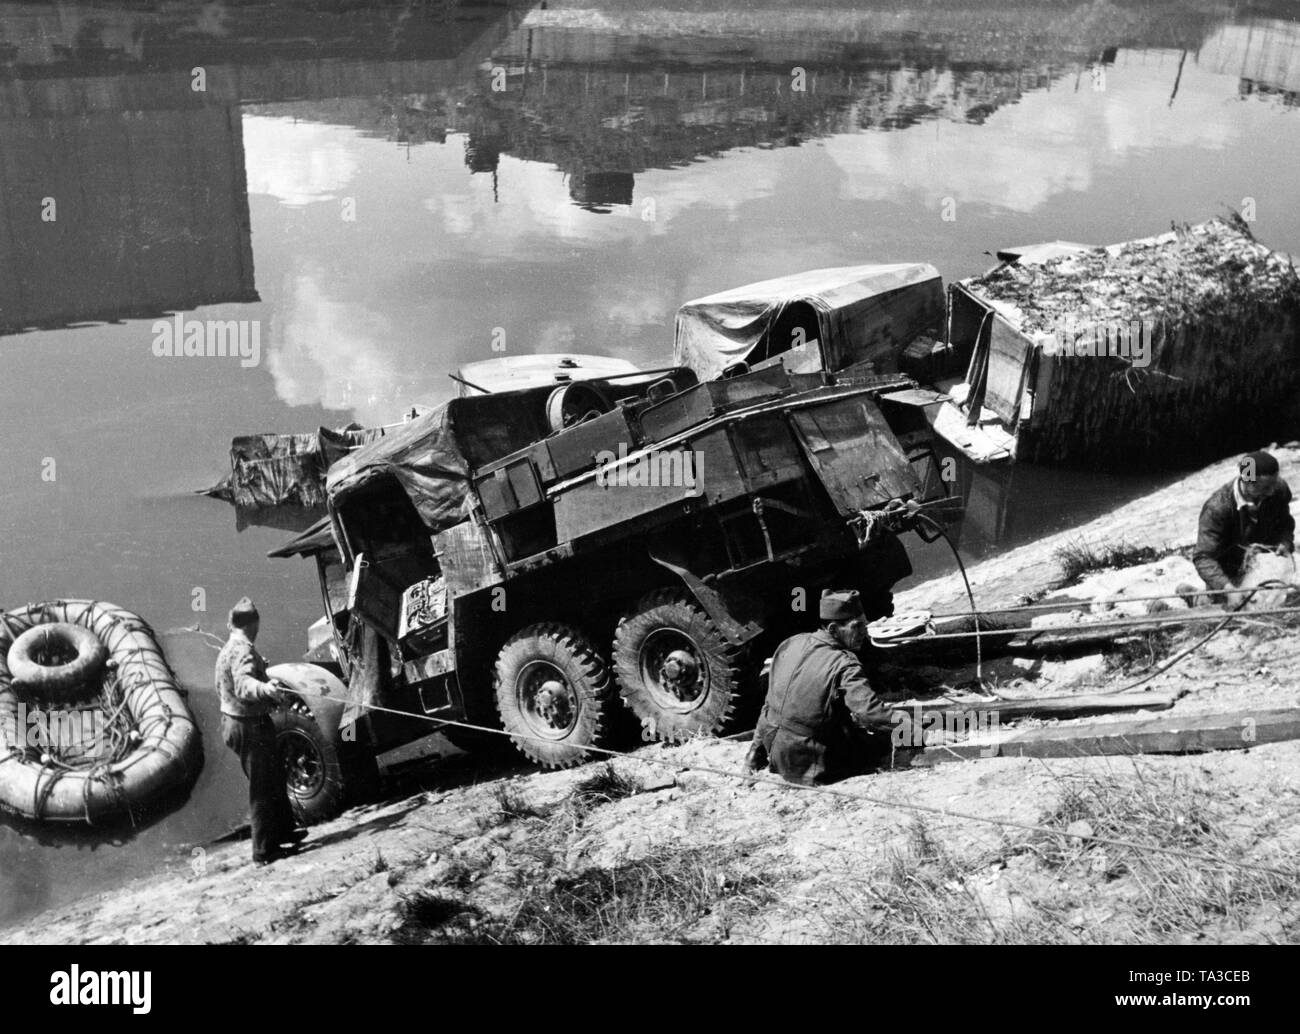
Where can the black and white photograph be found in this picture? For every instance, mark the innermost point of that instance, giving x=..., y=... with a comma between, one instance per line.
x=506, y=474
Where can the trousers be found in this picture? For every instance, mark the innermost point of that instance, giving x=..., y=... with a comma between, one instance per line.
x=269, y=813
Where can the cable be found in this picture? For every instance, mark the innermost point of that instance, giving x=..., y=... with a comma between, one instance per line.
x=1271, y=583
x=970, y=595
x=835, y=792
x=1118, y=623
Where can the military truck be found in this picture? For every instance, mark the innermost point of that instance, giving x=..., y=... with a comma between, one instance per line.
x=568, y=560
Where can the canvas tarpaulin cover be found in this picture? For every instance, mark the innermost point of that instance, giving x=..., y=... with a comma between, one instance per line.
x=432, y=456
x=857, y=307
x=269, y=470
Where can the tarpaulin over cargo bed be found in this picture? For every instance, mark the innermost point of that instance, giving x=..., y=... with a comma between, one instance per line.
x=432, y=456
x=860, y=312
x=270, y=470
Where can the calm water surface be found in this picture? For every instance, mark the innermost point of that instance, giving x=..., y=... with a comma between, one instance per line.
x=382, y=188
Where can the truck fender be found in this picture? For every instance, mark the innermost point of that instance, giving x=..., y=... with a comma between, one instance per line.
x=321, y=690
x=736, y=632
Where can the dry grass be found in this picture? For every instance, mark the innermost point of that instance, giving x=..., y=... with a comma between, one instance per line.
x=1140, y=653
x=659, y=898
x=1047, y=888
x=427, y=917
x=1078, y=558
x=512, y=804
x=605, y=786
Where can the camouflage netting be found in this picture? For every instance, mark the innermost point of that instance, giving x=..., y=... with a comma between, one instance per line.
x=1224, y=373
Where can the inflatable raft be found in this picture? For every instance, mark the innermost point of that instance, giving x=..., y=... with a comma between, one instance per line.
x=93, y=728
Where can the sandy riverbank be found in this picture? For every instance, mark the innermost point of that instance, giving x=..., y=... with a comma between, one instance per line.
x=659, y=848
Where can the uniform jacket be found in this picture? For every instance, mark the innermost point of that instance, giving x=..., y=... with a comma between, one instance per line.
x=818, y=694
x=1225, y=530
x=241, y=679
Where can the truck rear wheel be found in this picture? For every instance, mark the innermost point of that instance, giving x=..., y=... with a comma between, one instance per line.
x=554, y=694
x=677, y=672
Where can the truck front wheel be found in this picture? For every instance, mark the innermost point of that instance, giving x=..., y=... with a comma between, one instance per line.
x=554, y=694
x=324, y=772
x=313, y=770
x=677, y=672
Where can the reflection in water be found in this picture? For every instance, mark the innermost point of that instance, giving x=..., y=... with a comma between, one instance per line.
x=568, y=174
x=158, y=221
x=1263, y=53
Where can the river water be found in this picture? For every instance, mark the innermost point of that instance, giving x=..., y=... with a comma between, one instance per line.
x=386, y=189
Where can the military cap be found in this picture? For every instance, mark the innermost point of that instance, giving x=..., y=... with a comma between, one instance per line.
x=840, y=605
x=243, y=613
x=1258, y=464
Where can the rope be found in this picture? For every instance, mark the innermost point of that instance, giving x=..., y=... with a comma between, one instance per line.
x=832, y=791
x=127, y=734
x=1199, y=643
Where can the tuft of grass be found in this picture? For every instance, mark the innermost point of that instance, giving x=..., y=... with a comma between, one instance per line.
x=1138, y=653
x=426, y=916
x=459, y=874
x=512, y=804
x=1078, y=558
x=605, y=786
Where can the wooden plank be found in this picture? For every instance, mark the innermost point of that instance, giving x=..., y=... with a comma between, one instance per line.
x=1009, y=352
x=998, y=635
x=1185, y=734
x=1077, y=706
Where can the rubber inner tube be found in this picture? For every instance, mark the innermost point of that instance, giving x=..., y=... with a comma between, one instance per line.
x=56, y=661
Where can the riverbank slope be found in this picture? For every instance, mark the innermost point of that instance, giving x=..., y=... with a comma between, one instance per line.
x=671, y=845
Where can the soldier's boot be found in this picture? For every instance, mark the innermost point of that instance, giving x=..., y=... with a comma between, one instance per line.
x=756, y=757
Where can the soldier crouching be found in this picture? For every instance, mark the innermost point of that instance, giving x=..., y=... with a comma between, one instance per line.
x=822, y=720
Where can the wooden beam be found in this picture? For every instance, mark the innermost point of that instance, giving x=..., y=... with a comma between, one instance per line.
x=1077, y=706
x=1185, y=734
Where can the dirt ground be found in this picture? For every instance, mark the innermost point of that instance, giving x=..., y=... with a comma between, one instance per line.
x=672, y=846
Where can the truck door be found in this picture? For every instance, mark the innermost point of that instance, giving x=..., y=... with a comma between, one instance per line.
x=374, y=599
x=855, y=454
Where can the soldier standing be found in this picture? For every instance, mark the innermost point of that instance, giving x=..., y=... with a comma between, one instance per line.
x=247, y=698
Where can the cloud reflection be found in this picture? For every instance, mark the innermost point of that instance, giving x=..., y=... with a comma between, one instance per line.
x=298, y=163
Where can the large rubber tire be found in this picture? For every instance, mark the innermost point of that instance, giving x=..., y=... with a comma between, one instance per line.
x=704, y=696
x=313, y=763
x=554, y=694
x=75, y=678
